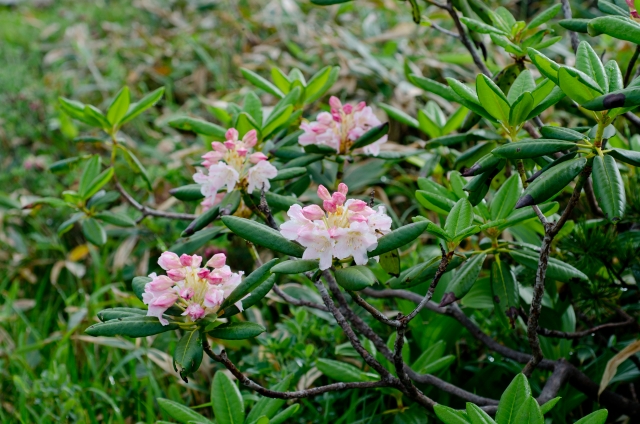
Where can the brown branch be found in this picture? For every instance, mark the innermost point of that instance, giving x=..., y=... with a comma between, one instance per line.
x=298, y=302
x=264, y=208
x=591, y=198
x=464, y=39
x=373, y=311
x=147, y=211
x=566, y=11
x=299, y=394
x=578, y=334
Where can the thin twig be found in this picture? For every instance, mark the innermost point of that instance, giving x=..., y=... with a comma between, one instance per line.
x=298, y=302
x=566, y=11
x=373, y=311
x=444, y=30
x=147, y=211
x=464, y=39
x=632, y=63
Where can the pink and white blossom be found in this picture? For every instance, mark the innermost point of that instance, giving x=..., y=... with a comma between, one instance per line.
x=232, y=165
x=196, y=291
x=342, y=127
x=343, y=228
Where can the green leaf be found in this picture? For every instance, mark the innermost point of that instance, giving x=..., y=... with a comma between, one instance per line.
x=617, y=27
x=398, y=238
x=551, y=182
x=614, y=76
x=228, y=406
x=371, y=136
x=561, y=133
x=554, y=97
x=198, y=126
x=427, y=184
x=231, y=202
x=253, y=107
x=143, y=104
x=506, y=295
x=548, y=406
x=463, y=280
x=597, y=417
x=249, y=283
x=512, y=400
x=577, y=86
x=576, y=25
x=237, y=331
x=136, y=165
x=317, y=85
x=304, y=160
x=609, y=187
x=91, y=171
x=430, y=355
x=556, y=269
x=97, y=183
x=529, y=412
x=450, y=415
x=524, y=83
x=542, y=18
x=246, y=123
x=133, y=326
x=434, y=202
x=355, y=277
x=188, y=353
x=480, y=27
x=93, y=232
x=421, y=273
x=281, y=80
x=188, y=192
x=76, y=110
x=289, y=173
x=587, y=61
x=628, y=97
x=521, y=215
x=460, y=217
x=492, y=98
x=191, y=244
x=285, y=415
x=297, y=266
x=180, y=412
x=478, y=416
x=434, y=87
x=610, y=8
x=506, y=197
x=328, y=2
x=94, y=113
x=137, y=285
x=117, y=219
x=277, y=120
x=486, y=163
x=269, y=406
x=115, y=313
x=119, y=106
x=343, y=372
x=427, y=126
x=64, y=164
x=627, y=156
x=390, y=262
x=262, y=83
x=521, y=109
x=399, y=115
x=257, y=294
x=532, y=148
x=506, y=44
x=546, y=66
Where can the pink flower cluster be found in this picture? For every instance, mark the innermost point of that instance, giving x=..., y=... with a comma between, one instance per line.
x=342, y=127
x=340, y=229
x=197, y=291
x=231, y=164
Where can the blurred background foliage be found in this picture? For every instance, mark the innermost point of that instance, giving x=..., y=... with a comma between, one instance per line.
x=51, y=286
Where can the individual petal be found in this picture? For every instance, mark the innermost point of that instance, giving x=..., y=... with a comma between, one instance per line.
x=259, y=176
x=195, y=311
x=257, y=157
x=323, y=193
x=250, y=139
x=313, y=212
x=177, y=274
x=211, y=158
x=217, y=261
x=186, y=293
x=232, y=134
x=169, y=260
x=214, y=297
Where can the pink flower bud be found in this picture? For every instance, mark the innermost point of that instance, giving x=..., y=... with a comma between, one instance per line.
x=219, y=147
x=357, y=205
x=196, y=261
x=348, y=109
x=203, y=273
x=338, y=198
x=360, y=106
x=357, y=218
x=232, y=134
x=329, y=206
x=159, y=284
x=323, y=193
x=242, y=152
x=230, y=145
x=195, y=311
x=185, y=260
x=343, y=188
x=217, y=261
x=313, y=212
x=186, y=293
x=211, y=158
x=251, y=138
x=257, y=157
x=335, y=103
x=169, y=260
x=176, y=274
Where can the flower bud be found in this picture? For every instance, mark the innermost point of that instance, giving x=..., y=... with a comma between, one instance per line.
x=251, y=138
x=176, y=274
x=217, y=261
x=335, y=103
x=230, y=145
x=357, y=205
x=313, y=212
x=165, y=300
x=323, y=193
x=343, y=188
x=232, y=134
x=257, y=157
x=195, y=311
x=242, y=152
x=169, y=260
x=329, y=206
x=185, y=260
x=159, y=284
x=186, y=293
x=338, y=198
x=203, y=273
x=348, y=109
x=219, y=147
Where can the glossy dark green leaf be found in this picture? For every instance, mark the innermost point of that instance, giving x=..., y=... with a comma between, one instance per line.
x=463, y=280
x=371, y=136
x=576, y=25
x=341, y=371
x=97, y=183
x=249, y=283
x=477, y=415
x=268, y=407
x=289, y=173
x=556, y=162
x=505, y=199
x=597, y=417
x=512, y=400
x=304, y=160
x=556, y=269
x=628, y=97
x=191, y=244
x=450, y=415
x=90, y=172
x=615, y=26
x=94, y=232
x=548, y=406
x=551, y=182
x=587, y=61
x=525, y=149
x=187, y=192
x=460, y=217
x=262, y=235
x=187, y=355
x=627, y=156
x=119, y=312
x=198, y=126
x=434, y=202
x=226, y=400
x=486, y=163
x=297, y=266
x=609, y=187
x=229, y=202
x=431, y=186
x=137, y=285
x=237, y=331
x=257, y=294
x=561, y=133
x=398, y=238
x=355, y=277
x=421, y=273
x=117, y=219
x=529, y=412
x=133, y=326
